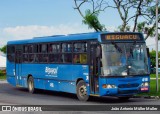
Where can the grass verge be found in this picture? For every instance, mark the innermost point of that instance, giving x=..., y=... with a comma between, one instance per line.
x=154, y=75
x=3, y=77
x=153, y=91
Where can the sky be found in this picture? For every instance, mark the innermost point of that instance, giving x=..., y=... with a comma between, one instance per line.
x=25, y=19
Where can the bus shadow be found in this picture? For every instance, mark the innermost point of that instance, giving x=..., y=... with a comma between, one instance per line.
x=49, y=93
x=108, y=99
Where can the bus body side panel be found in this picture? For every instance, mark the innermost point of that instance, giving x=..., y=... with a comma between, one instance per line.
x=11, y=73
x=81, y=72
x=36, y=71
x=23, y=82
x=57, y=77
x=65, y=81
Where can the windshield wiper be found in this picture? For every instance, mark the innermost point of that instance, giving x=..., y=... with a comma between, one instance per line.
x=117, y=47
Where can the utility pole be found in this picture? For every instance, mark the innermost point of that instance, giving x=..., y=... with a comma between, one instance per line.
x=156, y=40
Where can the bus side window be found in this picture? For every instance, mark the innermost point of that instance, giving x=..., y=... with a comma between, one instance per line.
x=31, y=58
x=54, y=48
x=80, y=58
x=79, y=52
x=66, y=47
x=77, y=47
x=43, y=48
x=76, y=58
x=80, y=47
x=69, y=47
x=83, y=58
x=84, y=47
x=50, y=48
x=11, y=53
x=45, y=58
x=25, y=49
x=35, y=48
x=36, y=60
x=54, y=58
x=67, y=58
x=25, y=58
x=30, y=48
x=40, y=57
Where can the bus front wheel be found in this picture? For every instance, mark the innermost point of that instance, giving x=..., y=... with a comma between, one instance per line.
x=31, y=88
x=82, y=91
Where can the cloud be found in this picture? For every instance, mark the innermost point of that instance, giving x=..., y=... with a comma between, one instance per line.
x=30, y=31
x=21, y=32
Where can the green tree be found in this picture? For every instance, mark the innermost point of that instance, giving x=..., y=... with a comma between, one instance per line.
x=3, y=49
x=90, y=17
x=131, y=12
x=153, y=57
x=148, y=27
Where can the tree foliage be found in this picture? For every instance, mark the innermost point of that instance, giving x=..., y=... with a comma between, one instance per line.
x=153, y=57
x=136, y=15
x=90, y=17
x=149, y=26
x=3, y=49
x=92, y=21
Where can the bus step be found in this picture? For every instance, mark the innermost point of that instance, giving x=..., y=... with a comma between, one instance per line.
x=19, y=86
x=94, y=95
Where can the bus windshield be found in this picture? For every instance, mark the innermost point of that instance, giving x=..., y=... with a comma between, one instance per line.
x=122, y=59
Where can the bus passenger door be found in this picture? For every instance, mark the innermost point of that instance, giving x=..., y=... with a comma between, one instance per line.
x=94, y=78
x=18, y=67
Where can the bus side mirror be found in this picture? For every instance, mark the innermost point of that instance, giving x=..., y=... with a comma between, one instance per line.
x=98, y=52
x=148, y=52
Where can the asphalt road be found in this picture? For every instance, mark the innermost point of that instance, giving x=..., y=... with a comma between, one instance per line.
x=10, y=95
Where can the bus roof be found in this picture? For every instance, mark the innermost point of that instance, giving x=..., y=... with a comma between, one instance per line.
x=81, y=36
x=56, y=38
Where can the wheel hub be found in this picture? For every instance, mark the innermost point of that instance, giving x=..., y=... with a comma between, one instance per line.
x=30, y=85
x=83, y=90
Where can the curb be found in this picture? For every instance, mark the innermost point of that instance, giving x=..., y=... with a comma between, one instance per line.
x=154, y=78
x=3, y=81
x=152, y=97
x=147, y=97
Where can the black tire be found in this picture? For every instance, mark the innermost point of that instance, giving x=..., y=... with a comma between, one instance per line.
x=82, y=91
x=124, y=98
x=31, y=88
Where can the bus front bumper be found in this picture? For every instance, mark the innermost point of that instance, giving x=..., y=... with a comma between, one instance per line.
x=123, y=91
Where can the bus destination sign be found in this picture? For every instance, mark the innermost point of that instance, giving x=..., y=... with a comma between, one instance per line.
x=120, y=37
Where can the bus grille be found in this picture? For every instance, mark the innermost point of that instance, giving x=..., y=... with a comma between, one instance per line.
x=128, y=85
x=127, y=91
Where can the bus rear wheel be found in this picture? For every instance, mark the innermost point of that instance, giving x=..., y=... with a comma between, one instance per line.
x=82, y=91
x=31, y=88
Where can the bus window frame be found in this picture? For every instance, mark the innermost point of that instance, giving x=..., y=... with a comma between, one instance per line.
x=37, y=51
x=80, y=52
x=11, y=54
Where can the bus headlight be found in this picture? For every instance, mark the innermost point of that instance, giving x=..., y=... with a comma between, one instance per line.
x=124, y=73
x=108, y=86
x=145, y=84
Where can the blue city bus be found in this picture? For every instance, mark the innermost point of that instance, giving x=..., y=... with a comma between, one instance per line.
x=87, y=64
